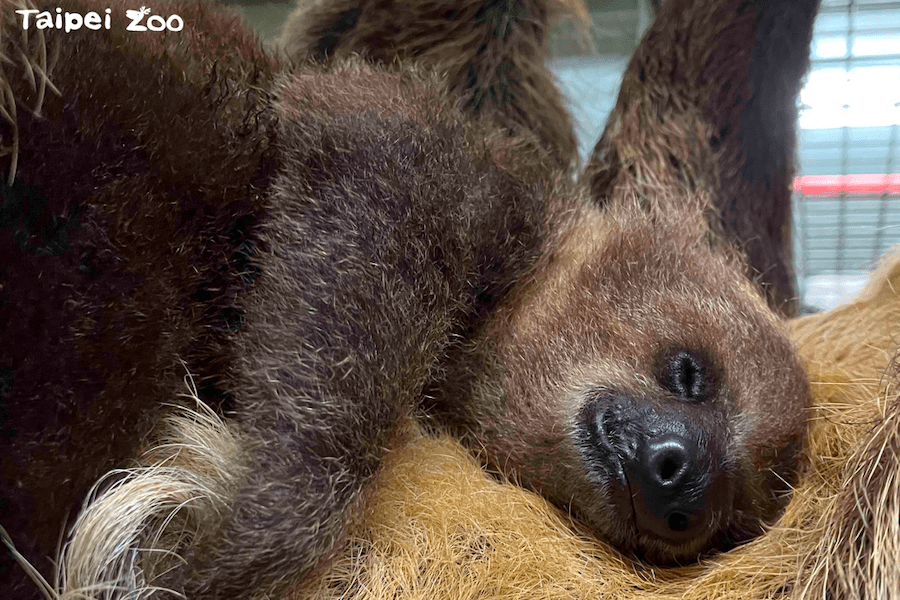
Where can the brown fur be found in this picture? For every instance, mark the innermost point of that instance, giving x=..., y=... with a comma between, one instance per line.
x=317, y=248
x=510, y=407
x=493, y=53
x=574, y=332
x=438, y=527
x=708, y=104
x=107, y=282
x=329, y=256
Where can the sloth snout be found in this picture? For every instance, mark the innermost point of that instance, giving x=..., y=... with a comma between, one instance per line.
x=667, y=480
x=668, y=467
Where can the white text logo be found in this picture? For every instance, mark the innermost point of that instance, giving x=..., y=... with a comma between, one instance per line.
x=72, y=21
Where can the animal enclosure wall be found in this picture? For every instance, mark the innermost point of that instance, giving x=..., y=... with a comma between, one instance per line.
x=847, y=210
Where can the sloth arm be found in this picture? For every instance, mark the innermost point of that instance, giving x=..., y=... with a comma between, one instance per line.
x=709, y=104
x=388, y=221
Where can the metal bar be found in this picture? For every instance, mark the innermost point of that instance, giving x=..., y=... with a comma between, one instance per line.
x=877, y=60
x=845, y=150
x=859, y=6
x=878, y=246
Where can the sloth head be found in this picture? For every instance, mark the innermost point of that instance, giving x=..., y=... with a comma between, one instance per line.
x=642, y=383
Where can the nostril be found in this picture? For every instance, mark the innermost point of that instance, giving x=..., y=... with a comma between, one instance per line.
x=668, y=461
x=669, y=467
x=679, y=522
x=669, y=487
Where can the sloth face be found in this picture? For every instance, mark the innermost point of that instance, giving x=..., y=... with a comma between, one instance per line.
x=645, y=386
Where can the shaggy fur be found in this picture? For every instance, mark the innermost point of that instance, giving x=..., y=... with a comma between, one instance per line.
x=308, y=274
x=493, y=53
x=124, y=248
x=576, y=341
x=657, y=155
x=130, y=529
x=321, y=250
x=709, y=104
x=437, y=527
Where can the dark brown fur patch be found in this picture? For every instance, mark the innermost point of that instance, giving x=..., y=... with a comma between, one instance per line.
x=331, y=243
x=124, y=248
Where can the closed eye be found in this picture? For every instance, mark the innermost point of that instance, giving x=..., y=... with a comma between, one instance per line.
x=687, y=375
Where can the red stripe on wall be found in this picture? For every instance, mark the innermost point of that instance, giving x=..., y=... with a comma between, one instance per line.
x=833, y=185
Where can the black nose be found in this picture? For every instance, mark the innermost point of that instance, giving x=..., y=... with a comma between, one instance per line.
x=668, y=481
x=670, y=464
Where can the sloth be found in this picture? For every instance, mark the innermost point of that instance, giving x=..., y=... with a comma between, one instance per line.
x=330, y=246
x=492, y=54
x=704, y=125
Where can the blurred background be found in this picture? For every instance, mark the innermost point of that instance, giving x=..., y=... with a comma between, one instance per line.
x=847, y=193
